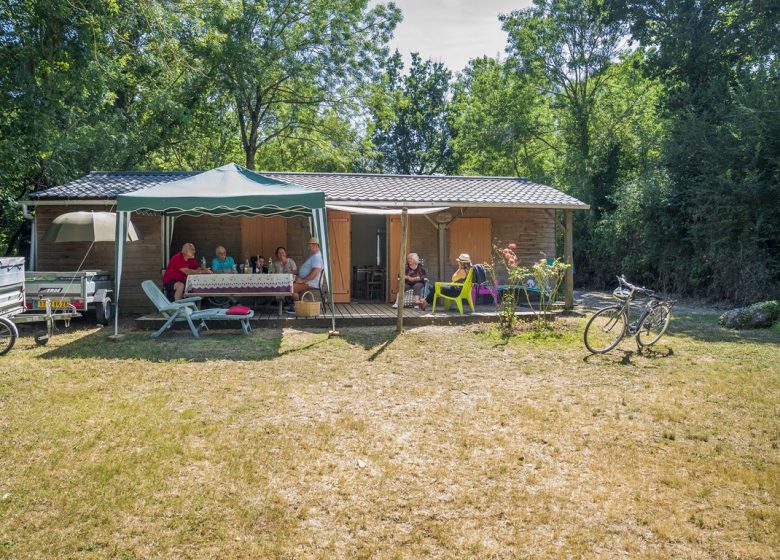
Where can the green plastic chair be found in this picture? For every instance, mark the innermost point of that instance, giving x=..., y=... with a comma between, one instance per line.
x=465, y=293
x=186, y=310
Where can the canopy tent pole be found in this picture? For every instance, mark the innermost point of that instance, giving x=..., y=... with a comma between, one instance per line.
x=121, y=228
x=402, y=269
x=320, y=218
x=167, y=238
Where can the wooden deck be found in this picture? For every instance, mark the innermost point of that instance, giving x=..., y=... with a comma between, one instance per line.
x=352, y=315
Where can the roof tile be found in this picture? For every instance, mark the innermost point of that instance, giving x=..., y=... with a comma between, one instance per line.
x=344, y=188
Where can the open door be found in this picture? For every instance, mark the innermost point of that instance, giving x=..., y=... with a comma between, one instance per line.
x=393, y=246
x=340, y=255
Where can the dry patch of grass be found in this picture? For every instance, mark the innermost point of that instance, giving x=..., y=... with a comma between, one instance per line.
x=443, y=442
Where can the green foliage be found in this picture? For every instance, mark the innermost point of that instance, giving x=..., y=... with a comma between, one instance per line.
x=503, y=127
x=543, y=279
x=412, y=129
x=282, y=64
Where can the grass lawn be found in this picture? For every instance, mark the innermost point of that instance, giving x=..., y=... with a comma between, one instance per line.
x=446, y=442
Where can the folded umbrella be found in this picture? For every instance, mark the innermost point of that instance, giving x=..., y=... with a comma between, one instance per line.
x=87, y=226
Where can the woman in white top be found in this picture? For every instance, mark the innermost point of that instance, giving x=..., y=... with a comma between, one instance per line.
x=284, y=264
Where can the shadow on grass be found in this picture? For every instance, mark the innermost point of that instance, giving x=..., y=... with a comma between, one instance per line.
x=175, y=345
x=706, y=328
x=375, y=340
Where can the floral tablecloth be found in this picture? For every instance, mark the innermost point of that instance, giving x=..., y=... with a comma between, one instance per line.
x=240, y=284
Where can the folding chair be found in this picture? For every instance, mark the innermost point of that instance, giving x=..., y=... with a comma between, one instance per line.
x=186, y=310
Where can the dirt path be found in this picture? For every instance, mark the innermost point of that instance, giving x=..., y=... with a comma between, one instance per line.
x=588, y=300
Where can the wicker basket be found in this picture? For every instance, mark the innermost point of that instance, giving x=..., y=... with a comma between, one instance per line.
x=305, y=308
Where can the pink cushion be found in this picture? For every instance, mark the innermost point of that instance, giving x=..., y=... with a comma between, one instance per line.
x=238, y=310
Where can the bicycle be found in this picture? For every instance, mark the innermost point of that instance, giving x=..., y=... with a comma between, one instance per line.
x=610, y=325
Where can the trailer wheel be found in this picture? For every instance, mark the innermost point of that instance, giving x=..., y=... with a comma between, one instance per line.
x=103, y=312
x=8, y=335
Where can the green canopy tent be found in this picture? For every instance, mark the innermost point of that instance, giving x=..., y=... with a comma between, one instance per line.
x=230, y=190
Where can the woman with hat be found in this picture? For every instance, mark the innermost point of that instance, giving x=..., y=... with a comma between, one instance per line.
x=464, y=265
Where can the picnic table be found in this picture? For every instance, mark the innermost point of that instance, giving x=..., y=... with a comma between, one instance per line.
x=241, y=285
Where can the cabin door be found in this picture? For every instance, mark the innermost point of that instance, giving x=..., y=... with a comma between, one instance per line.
x=340, y=252
x=261, y=236
x=393, y=248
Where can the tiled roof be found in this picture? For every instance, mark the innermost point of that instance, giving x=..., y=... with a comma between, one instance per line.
x=345, y=188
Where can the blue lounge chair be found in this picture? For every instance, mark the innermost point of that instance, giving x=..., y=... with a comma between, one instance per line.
x=186, y=310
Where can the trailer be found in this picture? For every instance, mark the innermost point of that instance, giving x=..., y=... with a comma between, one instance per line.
x=13, y=306
x=86, y=291
x=11, y=299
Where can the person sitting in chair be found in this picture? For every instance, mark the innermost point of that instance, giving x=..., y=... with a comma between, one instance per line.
x=258, y=264
x=180, y=266
x=284, y=264
x=309, y=274
x=222, y=264
x=464, y=265
x=414, y=279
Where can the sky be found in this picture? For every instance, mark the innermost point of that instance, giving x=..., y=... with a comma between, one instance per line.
x=452, y=31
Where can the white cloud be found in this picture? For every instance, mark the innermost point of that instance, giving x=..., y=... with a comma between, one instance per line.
x=452, y=31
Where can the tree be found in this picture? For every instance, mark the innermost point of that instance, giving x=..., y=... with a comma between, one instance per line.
x=565, y=48
x=85, y=85
x=412, y=129
x=503, y=126
x=719, y=62
x=286, y=62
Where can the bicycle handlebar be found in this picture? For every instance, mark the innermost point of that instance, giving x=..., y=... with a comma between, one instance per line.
x=642, y=290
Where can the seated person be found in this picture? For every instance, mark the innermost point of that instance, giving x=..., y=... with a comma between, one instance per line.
x=464, y=265
x=414, y=279
x=258, y=264
x=309, y=274
x=284, y=264
x=222, y=264
x=180, y=266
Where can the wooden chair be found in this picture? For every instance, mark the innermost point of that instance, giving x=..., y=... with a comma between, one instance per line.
x=465, y=293
x=375, y=283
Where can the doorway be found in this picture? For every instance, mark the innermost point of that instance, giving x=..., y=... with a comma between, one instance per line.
x=369, y=257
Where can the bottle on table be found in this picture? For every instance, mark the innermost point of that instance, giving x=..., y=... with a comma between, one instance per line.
x=203, y=263
x=247, y=267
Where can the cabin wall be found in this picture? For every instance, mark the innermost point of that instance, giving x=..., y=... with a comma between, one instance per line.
x=532, y=230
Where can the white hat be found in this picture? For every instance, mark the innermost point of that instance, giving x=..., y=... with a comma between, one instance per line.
x=464, y=258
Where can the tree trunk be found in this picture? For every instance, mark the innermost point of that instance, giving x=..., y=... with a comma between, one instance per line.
x=250, y=157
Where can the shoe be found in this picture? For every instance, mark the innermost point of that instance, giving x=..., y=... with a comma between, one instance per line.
x=395, y=305
x=291, y=310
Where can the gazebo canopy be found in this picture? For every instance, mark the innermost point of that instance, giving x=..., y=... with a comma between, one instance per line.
x=228, y=190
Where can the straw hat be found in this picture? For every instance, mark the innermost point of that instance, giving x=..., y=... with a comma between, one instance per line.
x=313, y=240
x=464, y=258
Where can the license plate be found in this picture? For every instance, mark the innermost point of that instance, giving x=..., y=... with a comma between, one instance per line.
x=55, y=303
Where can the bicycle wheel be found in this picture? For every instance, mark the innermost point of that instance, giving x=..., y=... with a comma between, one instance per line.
x=654, y=325
x=8, y=334
x=605, y=329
